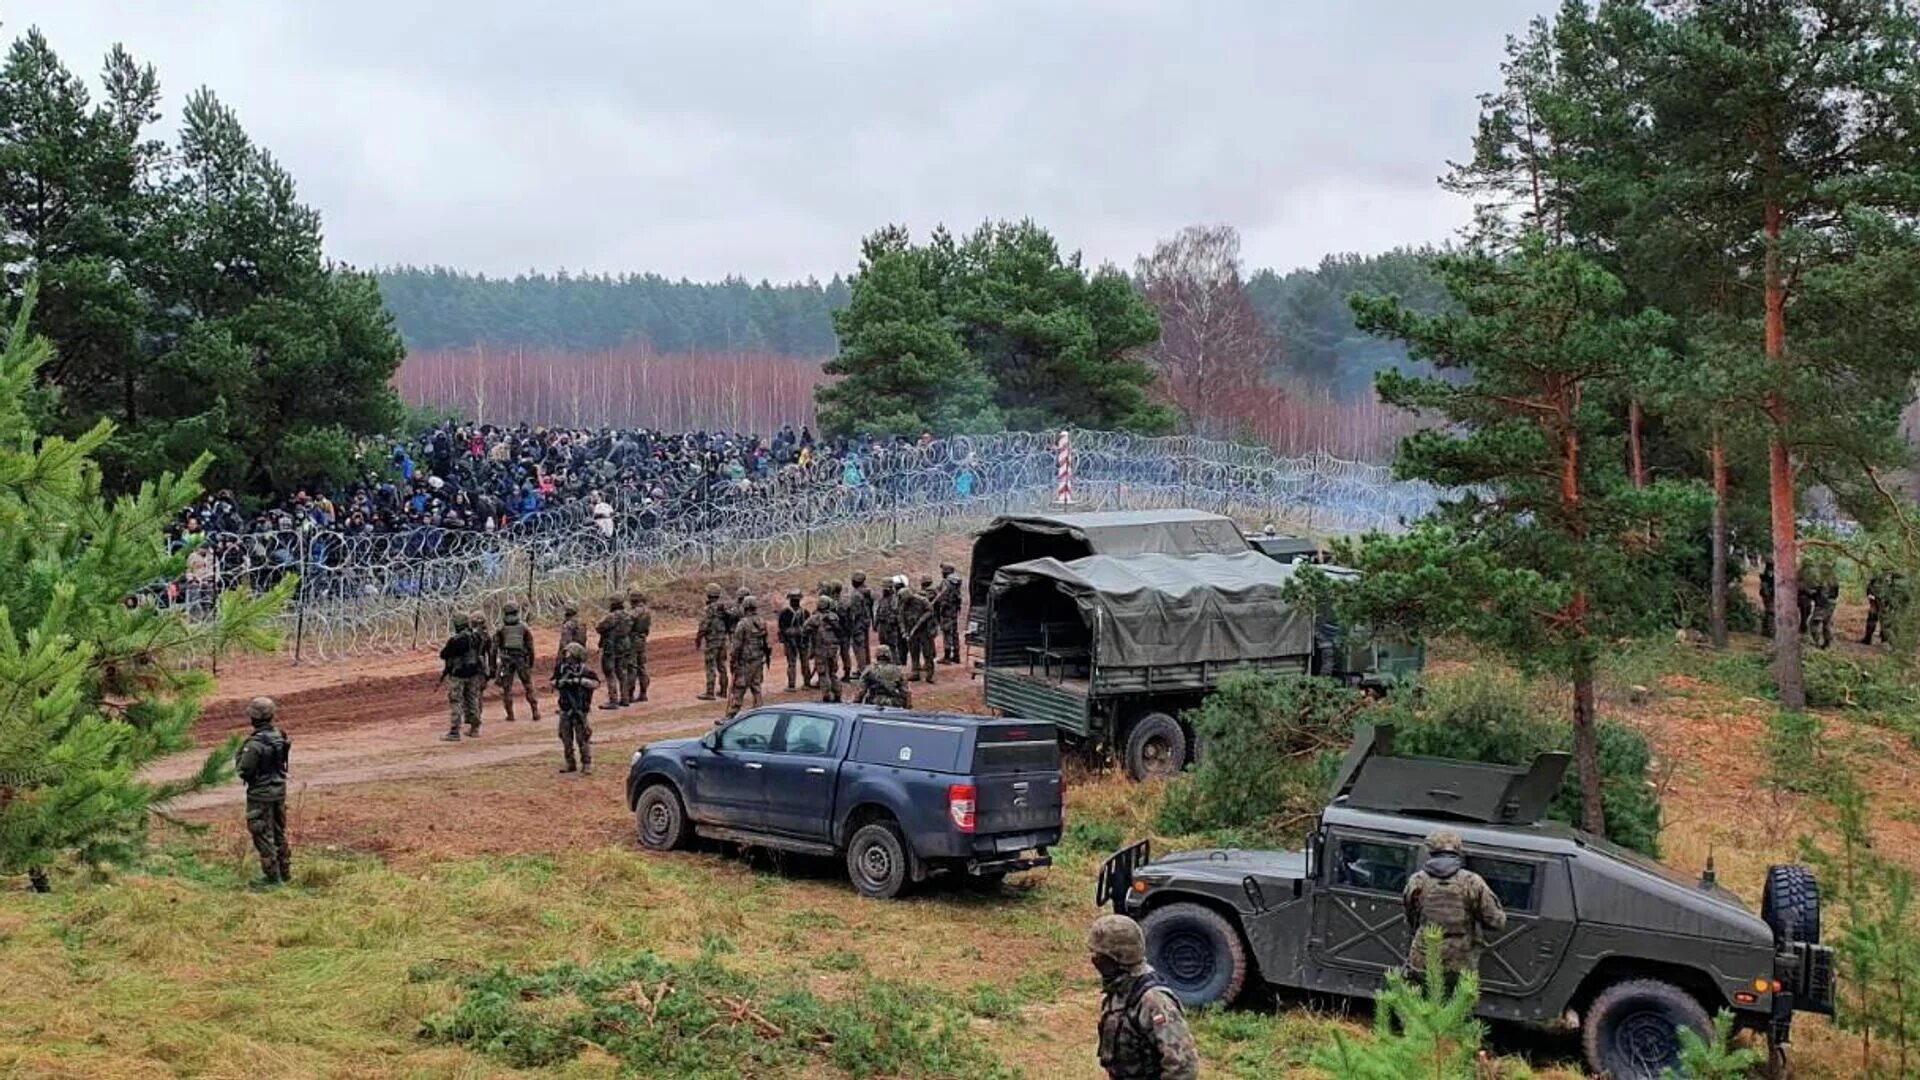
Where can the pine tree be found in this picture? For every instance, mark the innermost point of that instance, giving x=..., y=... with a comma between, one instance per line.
x=1420, y=1031
x=1551, y=551
x=92, y=685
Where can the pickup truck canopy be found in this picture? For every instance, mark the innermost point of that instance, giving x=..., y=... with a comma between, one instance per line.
x=1164, y=609
x=1013, y=538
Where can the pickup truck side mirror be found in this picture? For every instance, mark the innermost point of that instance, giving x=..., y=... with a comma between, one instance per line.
x=711, y=740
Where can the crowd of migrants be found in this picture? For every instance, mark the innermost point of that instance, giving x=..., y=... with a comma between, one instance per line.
x=851, y=634
x=438, y=494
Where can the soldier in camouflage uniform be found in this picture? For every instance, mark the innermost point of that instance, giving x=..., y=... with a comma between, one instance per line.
x=946, y=612
x=793, y=619
x=575, y=681
x=711, y=640
x=463, y=667
x=823, y=639
x=916, y=628
x=639, y=629
x=883, y=683
x=750, y=654
x=262, y=765
x=859, y=618
x=513, y=648
x=1445, y=894
x=614, y=635
x=571, y=632
x=1143, y=1033
x=886, y=617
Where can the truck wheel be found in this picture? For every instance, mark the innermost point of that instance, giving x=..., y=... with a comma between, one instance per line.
x=660, y=819
x=1197, y=952
x=1156, y=747
x=877, y=860
x=1791, y=904
x=1631, y=1031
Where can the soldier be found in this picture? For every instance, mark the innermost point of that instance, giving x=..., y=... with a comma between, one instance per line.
x=793, y=618
x=463, y=667
x=916, y=622
x=823, y=639
x=262, y=765
x=886, y=617
x=749, y=655
x=570, y=631
x=575, y=681
x=883, y=683
x=711, y=640
x=1143, y=1033
x=837, y=593
x=513, y=645
x=1876, y=600
x=639, y=629
x=859, y=617
x=480, y=628
x=614, y=633
x=1445, y=894
x=946, y=612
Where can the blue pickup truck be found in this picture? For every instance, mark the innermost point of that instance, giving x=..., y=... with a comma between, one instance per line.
x=900, y=795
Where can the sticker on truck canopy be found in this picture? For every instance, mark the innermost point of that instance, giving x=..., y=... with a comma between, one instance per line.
x=906, y=753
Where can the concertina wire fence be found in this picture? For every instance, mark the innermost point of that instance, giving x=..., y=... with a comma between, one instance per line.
x=388, y=593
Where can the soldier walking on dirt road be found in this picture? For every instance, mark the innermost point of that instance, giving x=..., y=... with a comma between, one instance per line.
x=639, y=629
x=749, y=656
x=1143, y=1032
x=262, y=765
x=463, y=667
x=614, y=634
x=575, y=682
x=711, y=639
x=513, y=645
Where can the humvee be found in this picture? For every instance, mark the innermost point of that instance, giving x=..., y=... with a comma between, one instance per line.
x=1627, y=948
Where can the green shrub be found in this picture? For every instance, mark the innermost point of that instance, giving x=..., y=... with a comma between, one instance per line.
x=1873, y=684
x=1271, y=744
x=1794, y=758
x=1715, y=1059
x=1419, y=1030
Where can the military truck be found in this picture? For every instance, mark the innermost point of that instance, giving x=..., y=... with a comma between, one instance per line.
x=1630, y=949
x=1113, y=649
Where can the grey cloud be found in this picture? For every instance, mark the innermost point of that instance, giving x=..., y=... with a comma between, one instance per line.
x=765, y=138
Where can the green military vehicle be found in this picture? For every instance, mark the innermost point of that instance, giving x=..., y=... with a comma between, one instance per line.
x=1629, y=949
x=1112, y=649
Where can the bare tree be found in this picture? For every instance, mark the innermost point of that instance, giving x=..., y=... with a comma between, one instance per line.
x=1214, y=354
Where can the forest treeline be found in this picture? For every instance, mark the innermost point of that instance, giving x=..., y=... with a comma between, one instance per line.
x=439, y=308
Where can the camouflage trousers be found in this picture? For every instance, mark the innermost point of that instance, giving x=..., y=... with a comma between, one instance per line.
x=950, y=639
x=267, y=824
x=862, y=657
x=576, y=733
x=798, y=663
x=920, y=657
x=747, y=677
x=634, y=688
x=463, y=703
x=613, y=667
x=517, y=667
x=826, y=661
x=716, y=661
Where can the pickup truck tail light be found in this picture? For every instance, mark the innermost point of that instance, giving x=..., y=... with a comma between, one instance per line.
x=960, y=803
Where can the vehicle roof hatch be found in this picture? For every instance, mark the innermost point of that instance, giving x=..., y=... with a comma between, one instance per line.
x=1371, y=778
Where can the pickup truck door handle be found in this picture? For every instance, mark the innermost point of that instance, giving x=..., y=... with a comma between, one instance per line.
x=690, y=762
x=817, y=771
x=754, y=765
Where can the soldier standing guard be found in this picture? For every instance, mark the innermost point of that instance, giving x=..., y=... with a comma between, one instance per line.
x=886, y=617
x=513, y=645
x=262, y=765
x=1444, y=893
x=463, y=667
x=946, y=611
x=822, y=633
x=1143, y=1033
x=639, y=628
x=916, y=622
x=575, y=682
x=793, y=618
x=711, y=640
x=613, y=650
x=858, y=619
x=571, y=632
x=749, y=655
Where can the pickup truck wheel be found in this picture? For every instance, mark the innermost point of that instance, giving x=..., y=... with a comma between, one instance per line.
x=877, y=861
x=1790, y=906
x=1631, y=1031
x=660, y=819
x=1156, y=747
x=1197, y=952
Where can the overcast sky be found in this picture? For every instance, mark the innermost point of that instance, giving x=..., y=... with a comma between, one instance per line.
x=707, y=138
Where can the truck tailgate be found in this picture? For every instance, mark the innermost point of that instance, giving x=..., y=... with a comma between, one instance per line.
x=1016, y=777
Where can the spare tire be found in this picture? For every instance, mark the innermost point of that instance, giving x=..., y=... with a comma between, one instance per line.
x=1790, y=906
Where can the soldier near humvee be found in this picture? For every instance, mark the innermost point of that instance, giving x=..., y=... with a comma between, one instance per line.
x=262, y=764
x=1143, y=1032
x=513, y=649
x=711, y=640
x=614, y=632
x=639, y=629
x=749, y=655
x=883, y=683
x=575, y=681
x=1447, y=895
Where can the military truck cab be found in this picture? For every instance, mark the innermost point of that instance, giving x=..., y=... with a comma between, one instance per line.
x=1632, y=948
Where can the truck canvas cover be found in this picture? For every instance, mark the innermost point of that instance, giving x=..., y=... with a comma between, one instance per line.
x=1013, y=538
x=1156, y=609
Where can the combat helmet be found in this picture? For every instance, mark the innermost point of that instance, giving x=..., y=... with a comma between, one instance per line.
x=616, y=602
x=749, y=603
x=859, y=578
x=1445, y=841
x=1119, y=939
x=511, y=613
x=459, y=620
x=794, y=594
x=570, y=609
x=476, y=618
x=713, y=591
x=635, y=597
x=883, y=655
x=261, y=710
x=574, y=651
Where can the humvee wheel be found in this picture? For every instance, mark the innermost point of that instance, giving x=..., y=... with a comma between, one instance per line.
x=1156, y=747
x=1790, y=906
x=1197, y=953
x=1631, y=1031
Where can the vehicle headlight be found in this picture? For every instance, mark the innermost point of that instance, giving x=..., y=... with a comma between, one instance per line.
x=637, y=755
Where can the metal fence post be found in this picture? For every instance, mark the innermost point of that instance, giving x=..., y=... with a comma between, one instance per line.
x=419, y=602
x=530, y=566
x=300, y=596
